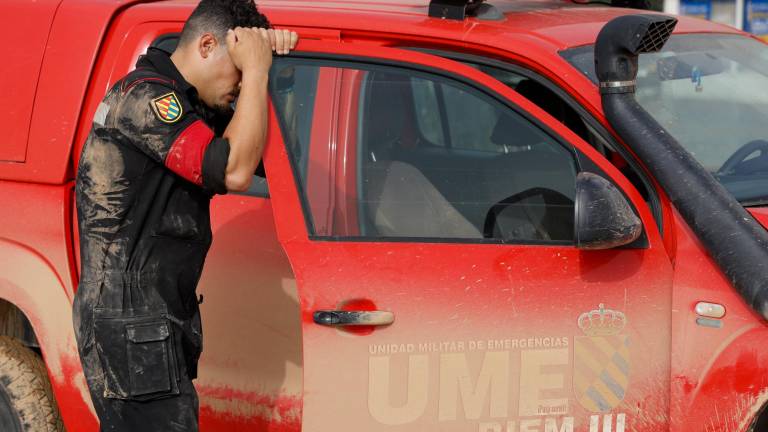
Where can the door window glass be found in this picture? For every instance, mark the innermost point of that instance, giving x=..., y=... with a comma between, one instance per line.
x=293, y=90
x=426, y=101
x=462, y=110
x=556, y=106
x=427, y=157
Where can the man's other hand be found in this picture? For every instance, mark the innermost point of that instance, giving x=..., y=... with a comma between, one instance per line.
x=282, y=41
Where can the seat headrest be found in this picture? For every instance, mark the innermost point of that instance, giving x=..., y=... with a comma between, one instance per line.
x=385, y=116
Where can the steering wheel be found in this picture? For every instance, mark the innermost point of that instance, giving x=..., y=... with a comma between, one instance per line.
x=551, y=197
x=741, y=154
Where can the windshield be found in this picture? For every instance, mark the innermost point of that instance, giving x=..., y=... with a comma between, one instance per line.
x=710, y=91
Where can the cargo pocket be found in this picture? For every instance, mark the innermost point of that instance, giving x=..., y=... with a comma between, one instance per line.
x=151, y=363
x=138, y=355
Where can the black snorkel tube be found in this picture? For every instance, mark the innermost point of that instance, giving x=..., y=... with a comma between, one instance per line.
x=734, y=239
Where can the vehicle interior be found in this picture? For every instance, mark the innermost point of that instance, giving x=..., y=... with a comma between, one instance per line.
x=421, y=183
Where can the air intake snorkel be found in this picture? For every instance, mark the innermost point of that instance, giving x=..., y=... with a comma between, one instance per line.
x=734, y=239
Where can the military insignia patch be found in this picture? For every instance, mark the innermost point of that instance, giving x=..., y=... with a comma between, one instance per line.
x=167, y=107
x=601, y=360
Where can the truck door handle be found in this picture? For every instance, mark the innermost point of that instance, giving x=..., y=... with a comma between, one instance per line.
x=353, y=318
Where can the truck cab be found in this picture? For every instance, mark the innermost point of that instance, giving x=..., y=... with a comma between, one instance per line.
x=417, y=256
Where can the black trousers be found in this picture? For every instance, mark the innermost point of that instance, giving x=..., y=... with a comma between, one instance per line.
x=135, y=366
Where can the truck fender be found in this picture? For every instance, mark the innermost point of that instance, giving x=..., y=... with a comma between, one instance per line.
x=733, y=387
x=29, y=282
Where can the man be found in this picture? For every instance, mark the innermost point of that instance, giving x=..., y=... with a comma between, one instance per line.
x=164, y=141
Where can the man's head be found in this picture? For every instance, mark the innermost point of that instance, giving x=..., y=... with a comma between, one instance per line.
x=202, y=54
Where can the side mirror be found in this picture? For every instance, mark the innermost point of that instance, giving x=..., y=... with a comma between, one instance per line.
x=604, y=219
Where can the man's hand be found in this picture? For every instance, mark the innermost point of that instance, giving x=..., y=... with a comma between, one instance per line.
x=249, y=49
x=282, y=41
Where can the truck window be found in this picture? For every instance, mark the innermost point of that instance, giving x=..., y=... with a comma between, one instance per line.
x=433, y=157
x=540, y=91
x=561, y=110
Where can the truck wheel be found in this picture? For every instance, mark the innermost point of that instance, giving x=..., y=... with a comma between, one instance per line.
x=26, y=397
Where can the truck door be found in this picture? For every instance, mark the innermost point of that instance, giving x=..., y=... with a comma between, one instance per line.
x=421, y=312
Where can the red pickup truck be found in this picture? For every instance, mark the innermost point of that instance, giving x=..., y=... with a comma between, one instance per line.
x=497, y=216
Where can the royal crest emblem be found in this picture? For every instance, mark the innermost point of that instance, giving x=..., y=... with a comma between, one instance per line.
x=167, y=108
x=601, y=360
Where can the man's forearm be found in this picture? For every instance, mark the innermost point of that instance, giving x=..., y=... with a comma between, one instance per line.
x=247, y=131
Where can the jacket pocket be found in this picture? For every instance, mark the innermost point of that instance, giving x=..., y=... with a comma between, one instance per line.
x=138, y=355
x=185, y=216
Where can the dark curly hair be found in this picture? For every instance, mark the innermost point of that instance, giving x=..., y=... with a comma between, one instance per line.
x=218, y=16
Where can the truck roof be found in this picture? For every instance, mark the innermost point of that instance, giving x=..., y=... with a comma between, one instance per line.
x=561, y=23
x=537, y=29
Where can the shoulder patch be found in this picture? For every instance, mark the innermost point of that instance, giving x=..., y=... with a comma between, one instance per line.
x=167, y=107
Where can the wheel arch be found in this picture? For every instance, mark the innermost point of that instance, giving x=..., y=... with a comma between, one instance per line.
x=739, y=371
x=30, y=284
x=14, y=323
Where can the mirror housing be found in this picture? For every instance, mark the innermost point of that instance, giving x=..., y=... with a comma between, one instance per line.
x=604, y=219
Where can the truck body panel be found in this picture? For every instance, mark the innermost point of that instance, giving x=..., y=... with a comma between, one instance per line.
x=255, y=372
x=71, y=50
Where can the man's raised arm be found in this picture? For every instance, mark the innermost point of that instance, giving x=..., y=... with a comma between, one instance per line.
x=251, y=51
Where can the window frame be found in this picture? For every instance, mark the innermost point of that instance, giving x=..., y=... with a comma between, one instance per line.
x=326, y=59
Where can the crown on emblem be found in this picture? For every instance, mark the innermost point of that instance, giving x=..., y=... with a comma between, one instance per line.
x=602, y=322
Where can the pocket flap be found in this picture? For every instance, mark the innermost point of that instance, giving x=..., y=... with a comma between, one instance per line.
x=149, y=332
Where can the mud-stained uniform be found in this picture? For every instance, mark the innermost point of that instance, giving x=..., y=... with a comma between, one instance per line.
x=152, y=162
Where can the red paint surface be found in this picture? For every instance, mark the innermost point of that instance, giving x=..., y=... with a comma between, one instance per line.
x=358, y=304
x=20, y=71
x=212, y=421
x=73, y=44
x=286, y=409
x=714, y=376
x=708, y=388
x=75, y=411
x=744, y=374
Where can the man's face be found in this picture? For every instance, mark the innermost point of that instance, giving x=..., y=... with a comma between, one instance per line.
x=221, y=79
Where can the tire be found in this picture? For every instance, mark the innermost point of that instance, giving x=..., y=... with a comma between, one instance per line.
x=27, y=403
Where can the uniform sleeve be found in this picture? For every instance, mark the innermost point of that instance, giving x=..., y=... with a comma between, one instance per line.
x=161, y=123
